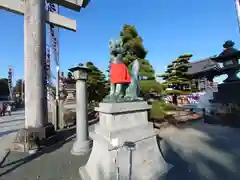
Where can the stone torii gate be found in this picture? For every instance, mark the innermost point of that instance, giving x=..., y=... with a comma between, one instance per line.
x=35, y=17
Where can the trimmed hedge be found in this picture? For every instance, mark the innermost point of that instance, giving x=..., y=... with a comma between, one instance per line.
x=159, y=108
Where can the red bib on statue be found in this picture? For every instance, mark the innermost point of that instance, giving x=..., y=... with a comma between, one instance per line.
x=119, y=74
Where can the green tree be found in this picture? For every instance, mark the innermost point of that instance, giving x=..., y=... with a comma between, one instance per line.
x=175, y=75
x=97, y=88
x=4, y=89
x=19, y=87
x=133, y=49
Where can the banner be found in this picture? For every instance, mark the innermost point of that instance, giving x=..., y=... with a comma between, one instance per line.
x=10, y=81
x=53, y=33
x=47, y=65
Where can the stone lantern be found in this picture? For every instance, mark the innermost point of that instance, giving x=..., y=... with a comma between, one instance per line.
x=229, y=58
x=82, y=143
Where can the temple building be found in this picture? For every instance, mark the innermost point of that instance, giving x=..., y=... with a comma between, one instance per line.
x=202, y=73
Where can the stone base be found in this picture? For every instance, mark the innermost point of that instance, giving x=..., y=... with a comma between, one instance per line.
x=81, y=148
x=227, y=93
x=32, y=138
x=125, y=122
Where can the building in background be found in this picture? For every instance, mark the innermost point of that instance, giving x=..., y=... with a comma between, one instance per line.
x=202, y=73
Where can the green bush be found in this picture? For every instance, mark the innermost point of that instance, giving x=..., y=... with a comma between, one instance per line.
x=177, y=92
x=148, y=86
x=159, y=108
x=156, y=110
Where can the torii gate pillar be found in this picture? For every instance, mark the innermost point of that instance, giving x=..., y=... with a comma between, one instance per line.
x=35, y=15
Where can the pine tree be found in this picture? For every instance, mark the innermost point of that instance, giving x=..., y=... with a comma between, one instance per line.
x=97, y=88
x=175, y=75
x=133, y=49
x=4, y=89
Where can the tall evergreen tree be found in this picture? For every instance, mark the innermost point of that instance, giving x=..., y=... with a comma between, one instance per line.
x=133, y=49
x=175, y=75
x=4, y=89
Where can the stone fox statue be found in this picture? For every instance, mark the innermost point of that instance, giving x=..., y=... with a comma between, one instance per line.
x=124, y=84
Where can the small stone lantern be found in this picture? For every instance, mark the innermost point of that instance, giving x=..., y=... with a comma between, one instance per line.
x=82, y=144
x=80, y=72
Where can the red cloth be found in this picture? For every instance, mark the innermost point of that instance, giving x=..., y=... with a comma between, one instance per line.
x=119, y=74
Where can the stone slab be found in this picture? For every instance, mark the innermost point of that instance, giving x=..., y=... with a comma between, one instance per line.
x=140, y=132
x=119, y=116
x=113, y=108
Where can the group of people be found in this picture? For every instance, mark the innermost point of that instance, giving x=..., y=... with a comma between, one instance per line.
x=5, y=108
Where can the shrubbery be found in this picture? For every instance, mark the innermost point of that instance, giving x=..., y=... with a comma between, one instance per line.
x=159, y=108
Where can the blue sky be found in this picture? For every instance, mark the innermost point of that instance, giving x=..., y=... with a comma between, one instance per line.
x=169, y=28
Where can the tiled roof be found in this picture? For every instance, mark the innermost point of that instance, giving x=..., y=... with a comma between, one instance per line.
x=200, y=66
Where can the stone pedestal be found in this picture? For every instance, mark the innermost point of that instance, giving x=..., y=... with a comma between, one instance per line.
x=125, y=122
x=31, y=138
x=228, y=92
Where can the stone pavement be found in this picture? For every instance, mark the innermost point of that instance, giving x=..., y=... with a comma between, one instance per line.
x=56, y=163
x=197, y=152
x=202, y=152
x=9, y=125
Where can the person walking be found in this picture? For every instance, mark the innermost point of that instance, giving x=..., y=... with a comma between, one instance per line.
x=9, y=109
x=3, y=109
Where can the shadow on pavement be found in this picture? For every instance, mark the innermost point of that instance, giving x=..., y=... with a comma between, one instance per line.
x=13, y=120
x=53, y=144
x=14, y=125
x=4, y=133
x=202, y=152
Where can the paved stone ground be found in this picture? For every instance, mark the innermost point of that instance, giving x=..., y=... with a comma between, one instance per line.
x=197, y=152
x=9, y=125
x=202, y=152
x=56, y=163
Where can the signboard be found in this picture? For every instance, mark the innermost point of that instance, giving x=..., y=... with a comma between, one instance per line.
x=75, y=5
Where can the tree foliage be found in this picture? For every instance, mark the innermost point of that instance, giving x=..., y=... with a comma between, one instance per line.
x=4, y=89
x=150, y=86
x=97, y=88
x=133, y=48
x=175, y=75
x=19, y=87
